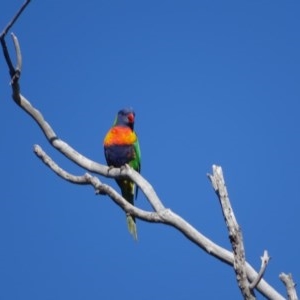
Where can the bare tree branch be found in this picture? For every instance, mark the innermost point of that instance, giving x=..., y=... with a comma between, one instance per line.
x=290, y=285
x=235, y=233
x=160, y=213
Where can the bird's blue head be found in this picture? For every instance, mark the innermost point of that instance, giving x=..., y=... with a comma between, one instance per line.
x=125, y=117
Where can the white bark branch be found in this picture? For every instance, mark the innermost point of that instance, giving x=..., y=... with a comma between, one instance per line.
x=235, y=233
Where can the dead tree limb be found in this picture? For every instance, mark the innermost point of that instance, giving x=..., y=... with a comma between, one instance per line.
x=159, y=214
x=236, y=237
x=235, y=233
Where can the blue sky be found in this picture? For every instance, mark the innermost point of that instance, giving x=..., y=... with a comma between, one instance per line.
x=212, y=82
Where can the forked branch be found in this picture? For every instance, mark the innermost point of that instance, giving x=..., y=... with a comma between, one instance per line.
x=3, y=34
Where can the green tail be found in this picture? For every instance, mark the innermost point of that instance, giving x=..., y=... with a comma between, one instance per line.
x=132, y=226
x=127, y=188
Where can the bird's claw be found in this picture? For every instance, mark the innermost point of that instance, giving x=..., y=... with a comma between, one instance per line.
x=109, y=168
x=124, y=167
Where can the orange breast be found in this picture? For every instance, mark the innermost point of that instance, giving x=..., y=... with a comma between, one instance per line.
x=119, y=135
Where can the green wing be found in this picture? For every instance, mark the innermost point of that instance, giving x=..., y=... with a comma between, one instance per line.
x=136, y=162
x=137, y=150
x=130, y=190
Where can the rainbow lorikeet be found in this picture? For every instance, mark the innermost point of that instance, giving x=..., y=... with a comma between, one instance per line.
x=121, y=147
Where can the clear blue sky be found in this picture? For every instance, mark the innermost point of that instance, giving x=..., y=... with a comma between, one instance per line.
x=212, y=82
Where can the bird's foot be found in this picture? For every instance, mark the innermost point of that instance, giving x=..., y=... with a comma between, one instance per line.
x=109, y=168
x=124, y=167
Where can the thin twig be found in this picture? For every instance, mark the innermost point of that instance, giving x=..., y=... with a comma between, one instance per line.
x=18, y=52
x=18, y=68
x=49, y=162
x=264, y=262
x=13, y=20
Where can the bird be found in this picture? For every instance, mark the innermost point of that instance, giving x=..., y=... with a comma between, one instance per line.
x=121, y=147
